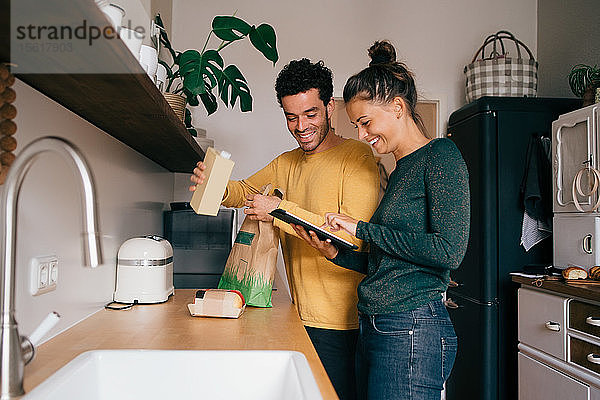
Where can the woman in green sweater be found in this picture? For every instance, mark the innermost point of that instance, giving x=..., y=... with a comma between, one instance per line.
x=418, y=234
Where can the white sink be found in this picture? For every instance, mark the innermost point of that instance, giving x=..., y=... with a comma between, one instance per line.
x=181, y=374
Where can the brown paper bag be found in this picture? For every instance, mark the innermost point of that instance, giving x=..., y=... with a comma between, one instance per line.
x=252, y=261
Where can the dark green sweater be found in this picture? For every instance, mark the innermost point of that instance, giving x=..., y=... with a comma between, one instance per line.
x=418, y=233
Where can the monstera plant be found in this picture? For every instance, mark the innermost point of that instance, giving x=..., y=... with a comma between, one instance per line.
x=202, y=75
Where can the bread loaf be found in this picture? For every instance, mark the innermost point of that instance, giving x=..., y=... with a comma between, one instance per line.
x=594, y=273
x=574, y=273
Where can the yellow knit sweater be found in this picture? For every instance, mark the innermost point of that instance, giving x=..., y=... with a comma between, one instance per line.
x=341, y=179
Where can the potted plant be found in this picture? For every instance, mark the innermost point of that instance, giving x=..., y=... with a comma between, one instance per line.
x=584, y=80
x=200, y=76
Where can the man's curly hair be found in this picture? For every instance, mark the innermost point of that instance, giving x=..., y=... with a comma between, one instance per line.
x=300, y=76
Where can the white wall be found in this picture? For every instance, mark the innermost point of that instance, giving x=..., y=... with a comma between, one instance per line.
x=435, y=38
x=131, y=194
x=568, y=34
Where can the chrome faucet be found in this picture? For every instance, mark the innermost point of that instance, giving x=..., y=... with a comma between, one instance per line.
x=16, y=350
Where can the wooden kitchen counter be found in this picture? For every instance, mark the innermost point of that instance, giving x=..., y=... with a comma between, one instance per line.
x=590, y=292
x=170, y=326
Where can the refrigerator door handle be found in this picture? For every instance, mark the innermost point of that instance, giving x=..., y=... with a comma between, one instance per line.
x=454, y=284
x=473, y=300
x=449, y=303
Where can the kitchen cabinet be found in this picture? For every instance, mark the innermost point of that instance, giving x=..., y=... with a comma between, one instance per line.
x=125, y=105
x=538, y=381
x=559, y=342
x=575, y=147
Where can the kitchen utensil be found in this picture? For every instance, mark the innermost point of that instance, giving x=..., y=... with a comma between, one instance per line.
x=144, y=270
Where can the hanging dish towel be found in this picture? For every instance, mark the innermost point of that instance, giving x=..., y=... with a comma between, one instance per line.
x=536, y=193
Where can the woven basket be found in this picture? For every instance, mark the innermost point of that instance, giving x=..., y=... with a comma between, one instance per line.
x=177, y=103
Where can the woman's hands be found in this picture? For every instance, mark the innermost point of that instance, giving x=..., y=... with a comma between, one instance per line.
x=340, y=222
x=335, y=222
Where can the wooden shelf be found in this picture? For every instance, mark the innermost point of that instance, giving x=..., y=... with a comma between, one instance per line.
x=126, y=105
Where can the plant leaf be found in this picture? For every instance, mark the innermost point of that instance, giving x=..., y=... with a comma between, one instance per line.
x=225, y=28
x=191, y=99
x=187, y=118
x=200, y=72
x=210, y=102
x=167, y=67
x=233, y=85
x=164, y=38
x=192, y=132
x=264, y=40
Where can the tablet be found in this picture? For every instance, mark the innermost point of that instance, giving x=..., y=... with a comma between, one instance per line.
x=321, y=233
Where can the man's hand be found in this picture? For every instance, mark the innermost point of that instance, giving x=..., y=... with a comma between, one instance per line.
x=260, y=206
x=198, y=175
x=323, y=246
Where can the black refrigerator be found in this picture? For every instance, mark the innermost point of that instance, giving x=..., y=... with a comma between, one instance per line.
x=493, y=134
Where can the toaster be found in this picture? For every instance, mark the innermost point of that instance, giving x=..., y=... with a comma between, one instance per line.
x=144, y=270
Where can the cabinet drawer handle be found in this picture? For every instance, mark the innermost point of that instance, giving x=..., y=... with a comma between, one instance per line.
x=595, y=321
x=593, y=358
x=587, y=243
x=553, y=326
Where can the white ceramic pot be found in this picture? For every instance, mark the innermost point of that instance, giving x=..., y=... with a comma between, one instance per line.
x=149, y=60
x=114, y=13
x=132, y=39
x=161, y=77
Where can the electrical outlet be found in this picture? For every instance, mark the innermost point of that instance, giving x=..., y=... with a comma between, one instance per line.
x=53, y=273
x=43, y=274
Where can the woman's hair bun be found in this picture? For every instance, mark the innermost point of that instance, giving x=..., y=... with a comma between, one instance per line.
x=382, y=52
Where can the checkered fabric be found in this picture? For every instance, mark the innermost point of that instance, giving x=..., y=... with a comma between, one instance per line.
x=499, y=74
x=501, y=77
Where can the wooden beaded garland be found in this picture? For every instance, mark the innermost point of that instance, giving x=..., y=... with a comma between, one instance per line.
x=8, y=112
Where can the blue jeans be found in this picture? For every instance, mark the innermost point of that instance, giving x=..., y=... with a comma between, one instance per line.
x=406, y=355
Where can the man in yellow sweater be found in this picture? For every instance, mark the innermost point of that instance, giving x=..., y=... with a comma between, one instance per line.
x=326, y=173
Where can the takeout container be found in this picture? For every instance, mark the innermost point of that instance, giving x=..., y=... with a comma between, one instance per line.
x=218, y=303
